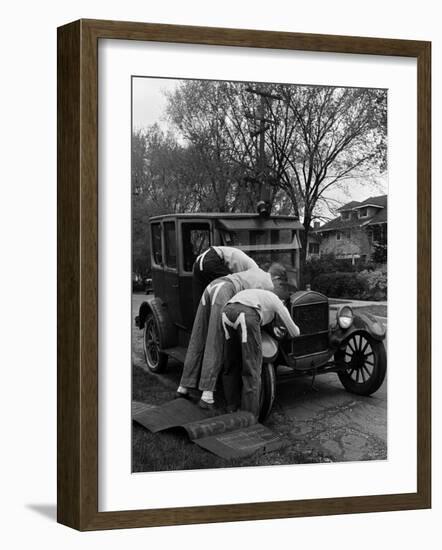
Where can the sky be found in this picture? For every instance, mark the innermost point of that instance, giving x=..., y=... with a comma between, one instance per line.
x=149, y=104
x=149, y=101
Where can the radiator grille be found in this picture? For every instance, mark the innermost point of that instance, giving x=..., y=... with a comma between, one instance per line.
x=312, y=320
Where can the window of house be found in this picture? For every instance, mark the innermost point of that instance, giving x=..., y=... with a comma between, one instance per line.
x=363, y=212
x=338, y=235
x=370, y=236
x=170, y=244
x=346, y=215
x=196, y=239
x=313, y=248
x=157, y=254
x=347, y=234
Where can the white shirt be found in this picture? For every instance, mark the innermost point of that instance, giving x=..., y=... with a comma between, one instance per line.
x=252, y=278
x=235, y=259
x=268, y=305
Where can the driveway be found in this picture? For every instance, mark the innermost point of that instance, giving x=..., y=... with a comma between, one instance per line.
x=332, y=421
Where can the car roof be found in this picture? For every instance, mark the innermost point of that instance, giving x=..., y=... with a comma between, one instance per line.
x=233, y=220
x=218, y=215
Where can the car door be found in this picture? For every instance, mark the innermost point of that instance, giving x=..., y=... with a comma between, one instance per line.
x=171, y=281
x=156, y=244
x=195, y=238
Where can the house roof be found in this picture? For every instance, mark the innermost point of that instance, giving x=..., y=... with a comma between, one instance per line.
x=380, y=201
x=338, y=223
x=349, y=206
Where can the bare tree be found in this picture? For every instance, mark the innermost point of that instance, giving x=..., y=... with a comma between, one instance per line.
x=315, y=139
x=323, y=137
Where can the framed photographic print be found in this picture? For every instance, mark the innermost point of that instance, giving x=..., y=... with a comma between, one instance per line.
x=243, y=275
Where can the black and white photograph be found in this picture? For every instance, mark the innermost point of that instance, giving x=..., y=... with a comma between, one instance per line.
x=259, y=274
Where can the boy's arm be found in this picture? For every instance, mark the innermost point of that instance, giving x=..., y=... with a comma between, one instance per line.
x=250, y=262
x=284, y=314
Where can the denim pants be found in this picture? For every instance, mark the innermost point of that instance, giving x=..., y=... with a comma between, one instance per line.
x=243, y=354
x=205, y=354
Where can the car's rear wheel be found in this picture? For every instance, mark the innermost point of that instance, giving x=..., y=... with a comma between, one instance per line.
x=267, y=392
x=367, y=364
x=156, y=360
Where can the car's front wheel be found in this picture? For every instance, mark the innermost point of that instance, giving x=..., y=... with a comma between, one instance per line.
x=267, y=392
x=155, y=359
x=366, y=362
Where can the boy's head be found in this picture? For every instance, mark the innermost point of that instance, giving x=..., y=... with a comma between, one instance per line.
x=278, y=273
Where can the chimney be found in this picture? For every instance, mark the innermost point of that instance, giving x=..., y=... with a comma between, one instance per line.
x=316, y=225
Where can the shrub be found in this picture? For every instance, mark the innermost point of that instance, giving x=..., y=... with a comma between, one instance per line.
x=328, y=263
x=366, y=285
x=341, y=285
x=315, y=266
x=379, y=255
x=377, y=284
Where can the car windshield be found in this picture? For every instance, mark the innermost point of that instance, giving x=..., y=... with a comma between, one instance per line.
x=286, y=258
x=268, y=246
x=255, y=237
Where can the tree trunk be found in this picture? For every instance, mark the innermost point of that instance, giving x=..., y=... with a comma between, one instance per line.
x=303, y=251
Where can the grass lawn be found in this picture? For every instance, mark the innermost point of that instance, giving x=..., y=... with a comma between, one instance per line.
x=172, y=450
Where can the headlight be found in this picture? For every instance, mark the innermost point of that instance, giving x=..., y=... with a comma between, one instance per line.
x=344, y=317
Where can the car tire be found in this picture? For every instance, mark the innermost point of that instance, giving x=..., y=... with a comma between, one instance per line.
x=267, y=392
x=153, y=343
x=367, y=362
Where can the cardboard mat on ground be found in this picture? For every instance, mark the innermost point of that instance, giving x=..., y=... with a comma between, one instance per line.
x=233, y=435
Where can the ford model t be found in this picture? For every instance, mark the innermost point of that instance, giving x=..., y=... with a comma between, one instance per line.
x=349, y=344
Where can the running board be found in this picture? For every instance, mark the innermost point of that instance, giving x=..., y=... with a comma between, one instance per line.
x=178, y=353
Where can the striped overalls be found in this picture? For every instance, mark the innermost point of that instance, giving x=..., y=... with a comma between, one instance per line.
x=243, y=353
x=205, y=354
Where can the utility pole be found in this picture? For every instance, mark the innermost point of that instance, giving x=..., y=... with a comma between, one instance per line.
x=264, y=204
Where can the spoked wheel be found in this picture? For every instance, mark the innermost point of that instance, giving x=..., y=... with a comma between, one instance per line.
x=155, y=359
x=267, y=393
x=367, y=364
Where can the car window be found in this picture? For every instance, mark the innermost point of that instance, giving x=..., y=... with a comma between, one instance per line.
x=157, y=255
x=170, y=244
x=196, y=239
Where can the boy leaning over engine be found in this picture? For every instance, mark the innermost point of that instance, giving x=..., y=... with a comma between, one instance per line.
x=242, y=319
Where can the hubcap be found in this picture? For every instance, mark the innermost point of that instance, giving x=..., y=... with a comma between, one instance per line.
x=360, y=358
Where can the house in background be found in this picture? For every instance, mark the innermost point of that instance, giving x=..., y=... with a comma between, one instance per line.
x=354, y=233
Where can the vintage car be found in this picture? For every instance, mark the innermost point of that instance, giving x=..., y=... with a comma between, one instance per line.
x=350, y=344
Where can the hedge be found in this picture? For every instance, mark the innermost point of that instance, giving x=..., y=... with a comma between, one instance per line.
x=366, y=285
x=340, y=285
x=327, y=263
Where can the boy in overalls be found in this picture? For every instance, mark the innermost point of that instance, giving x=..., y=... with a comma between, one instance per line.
x=242, y=318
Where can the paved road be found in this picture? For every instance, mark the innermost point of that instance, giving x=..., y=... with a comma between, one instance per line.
x=340, y=425
x=325, y=419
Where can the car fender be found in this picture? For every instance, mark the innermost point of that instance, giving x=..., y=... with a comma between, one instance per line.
x=168, y=330
x=361, y=322
x=144, y=309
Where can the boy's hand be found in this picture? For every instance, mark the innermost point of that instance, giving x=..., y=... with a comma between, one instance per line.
x=280, y=332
